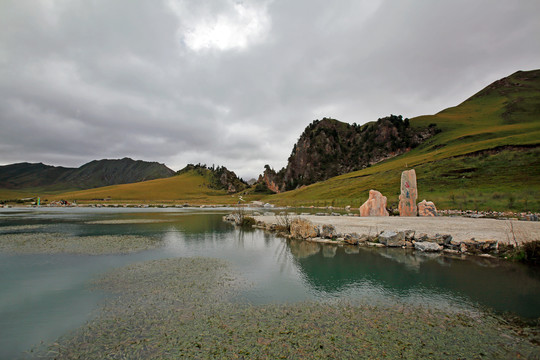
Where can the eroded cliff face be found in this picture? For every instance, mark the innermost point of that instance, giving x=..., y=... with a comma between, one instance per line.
x=329, y=148
x=270, y=181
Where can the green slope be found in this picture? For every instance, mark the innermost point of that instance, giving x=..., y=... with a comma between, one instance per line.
x=485, y=158
x=191, y=187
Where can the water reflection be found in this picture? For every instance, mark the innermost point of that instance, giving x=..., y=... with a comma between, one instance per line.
x=278, y=270
x=406, y=274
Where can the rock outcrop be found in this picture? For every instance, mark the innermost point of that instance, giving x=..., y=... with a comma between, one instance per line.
x=409, y=193
x=329, y=147
x=427, y=208
x=375, y=205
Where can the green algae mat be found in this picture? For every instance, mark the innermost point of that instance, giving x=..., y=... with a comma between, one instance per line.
x=186, y=308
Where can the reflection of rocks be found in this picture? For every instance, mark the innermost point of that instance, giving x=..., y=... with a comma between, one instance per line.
x=329, y=251
x=409, y=193
x=350, y=249
x=375, y=205
x=405, y=257
x=427, y=208
x=303, y=229
x=303, y=249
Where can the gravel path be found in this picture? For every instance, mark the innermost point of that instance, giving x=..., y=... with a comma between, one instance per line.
x=459, y=227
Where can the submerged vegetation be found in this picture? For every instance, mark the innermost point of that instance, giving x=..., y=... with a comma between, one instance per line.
x=188, y=313
x=55, y=243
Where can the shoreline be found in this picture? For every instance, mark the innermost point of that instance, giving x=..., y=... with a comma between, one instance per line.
x=461, y=229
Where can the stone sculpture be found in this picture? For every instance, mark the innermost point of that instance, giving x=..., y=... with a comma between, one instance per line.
x=409, y=193
x=375, y=205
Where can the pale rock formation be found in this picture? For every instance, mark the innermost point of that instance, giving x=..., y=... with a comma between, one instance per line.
x=375, y=205
x=427, y=246
x=427, y=208
x=392, y=238
x=409, y=193
x=303, y=229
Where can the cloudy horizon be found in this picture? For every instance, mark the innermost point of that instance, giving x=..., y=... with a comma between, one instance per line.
x=234, y=83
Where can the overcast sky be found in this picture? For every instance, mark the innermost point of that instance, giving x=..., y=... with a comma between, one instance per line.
x=235, y=83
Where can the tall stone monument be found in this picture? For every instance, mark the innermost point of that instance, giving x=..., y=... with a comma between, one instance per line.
x=375, y=205
x=409, y=193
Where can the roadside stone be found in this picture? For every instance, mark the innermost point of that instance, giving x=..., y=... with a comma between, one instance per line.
x=427, y=246
x=421, y=237
x=427, y=208
x=303, y=229
x=409, y=193
x=409, y=235
x=374, y=244
x=391, y=238
x=440, y=239
x=487, y=245
x=328, y=231
x=351, y=239
x=375, y=205
x=364, y=238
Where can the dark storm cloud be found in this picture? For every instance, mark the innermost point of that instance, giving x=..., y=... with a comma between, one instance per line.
x=235, y=83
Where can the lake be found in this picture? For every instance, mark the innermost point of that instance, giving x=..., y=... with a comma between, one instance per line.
x=43, y=296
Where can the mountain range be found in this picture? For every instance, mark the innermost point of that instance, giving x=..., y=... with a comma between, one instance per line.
x=94, y=174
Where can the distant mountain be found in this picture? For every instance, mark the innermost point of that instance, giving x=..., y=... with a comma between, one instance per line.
x=94, y=174
x=329, y=147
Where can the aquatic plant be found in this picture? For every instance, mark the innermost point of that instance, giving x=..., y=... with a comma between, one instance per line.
x=184, y=308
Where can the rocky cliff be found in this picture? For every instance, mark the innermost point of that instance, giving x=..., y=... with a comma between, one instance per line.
x=329, y=147
x=218, y=177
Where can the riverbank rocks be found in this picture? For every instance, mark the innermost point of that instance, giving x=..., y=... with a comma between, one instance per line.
x=427, y=208
x=375, y=205
x=392, y=238
x=409, y=193
x=328, y=232
x=427, y=246
x=475, y=246
x=303, y=229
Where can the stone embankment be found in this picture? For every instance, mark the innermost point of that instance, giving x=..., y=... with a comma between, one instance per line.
x=455, y=235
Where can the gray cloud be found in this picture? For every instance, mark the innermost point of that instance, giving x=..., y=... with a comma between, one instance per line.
x=235, y=83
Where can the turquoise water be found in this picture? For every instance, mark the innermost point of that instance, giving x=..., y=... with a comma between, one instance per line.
x=45, y=296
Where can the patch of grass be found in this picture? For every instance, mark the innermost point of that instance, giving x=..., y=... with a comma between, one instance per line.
x=187, y=187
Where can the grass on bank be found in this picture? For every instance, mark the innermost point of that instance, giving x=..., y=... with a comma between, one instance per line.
x=188, y=187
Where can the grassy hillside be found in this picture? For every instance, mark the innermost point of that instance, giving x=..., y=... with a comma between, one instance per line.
x=188, y=187
x=486, y=156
